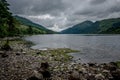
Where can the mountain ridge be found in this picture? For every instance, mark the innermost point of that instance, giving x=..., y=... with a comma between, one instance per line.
x=99, y=27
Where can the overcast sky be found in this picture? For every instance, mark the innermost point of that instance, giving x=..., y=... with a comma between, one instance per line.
x=61, y=14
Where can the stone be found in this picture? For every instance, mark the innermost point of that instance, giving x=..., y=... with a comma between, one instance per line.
x=116, y=75
x=38, y=53
x=17, y=54
x=84, y=70
x=91, y=64
x=110, y=66
x=33, y=78
x=74, y=76
x=46, y=74
x=44, y=65
x=1, y=52
x=36, y=76
x=4, y=55
x=91, y=77
x=99, y=77
x=105, y=71
x=113, y=63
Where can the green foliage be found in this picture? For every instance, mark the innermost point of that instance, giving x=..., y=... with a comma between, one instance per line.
x=7, y=22
x=3, y=18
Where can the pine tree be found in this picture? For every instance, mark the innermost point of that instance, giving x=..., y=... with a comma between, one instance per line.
x=7, y=22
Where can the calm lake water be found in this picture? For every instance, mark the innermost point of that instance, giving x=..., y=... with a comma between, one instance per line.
x=93, y=48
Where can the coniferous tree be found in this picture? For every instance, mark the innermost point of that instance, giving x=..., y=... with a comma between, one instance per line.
x=4, y=13
x=7, y=22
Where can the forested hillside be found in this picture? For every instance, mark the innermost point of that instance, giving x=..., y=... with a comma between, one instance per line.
x=16, y=26
x=36, y=27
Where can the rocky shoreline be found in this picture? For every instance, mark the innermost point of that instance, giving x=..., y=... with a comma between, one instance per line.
x=24, y=63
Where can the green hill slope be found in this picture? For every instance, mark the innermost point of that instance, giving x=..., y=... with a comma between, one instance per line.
x=27, y=22
x=110, y=26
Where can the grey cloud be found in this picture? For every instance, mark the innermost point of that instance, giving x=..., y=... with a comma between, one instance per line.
x=84, y=12
x=115, y=8
x=100, y=11
x=53, y=7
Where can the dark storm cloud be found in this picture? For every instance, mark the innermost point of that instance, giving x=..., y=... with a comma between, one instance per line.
x=100, y=11
x=94, y=2
x=60, y=14
x=115, y=8
x=49, y=6
x=35, y=7
x=18, y=6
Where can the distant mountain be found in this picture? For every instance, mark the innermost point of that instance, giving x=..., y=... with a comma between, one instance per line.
x=107, y=26
x=27, y=22
x=84, y=27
